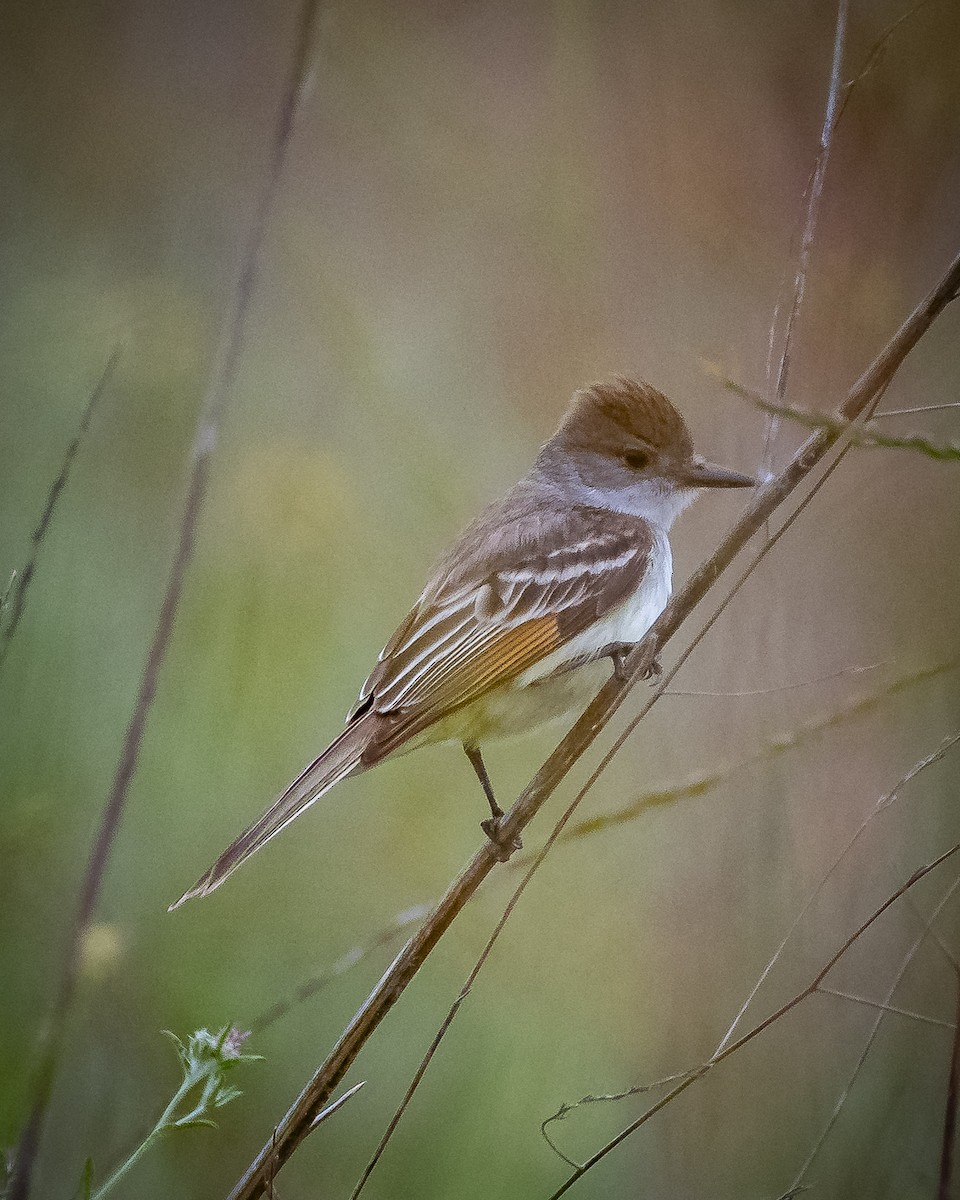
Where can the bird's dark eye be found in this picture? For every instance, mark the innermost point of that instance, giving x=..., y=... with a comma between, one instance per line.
x=636, y=460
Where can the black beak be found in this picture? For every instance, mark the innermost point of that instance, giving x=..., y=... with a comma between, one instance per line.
x=704, y=474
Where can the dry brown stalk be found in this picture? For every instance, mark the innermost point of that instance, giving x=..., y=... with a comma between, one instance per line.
x=295, y=1125
x=558, y=829
x=882, y=1006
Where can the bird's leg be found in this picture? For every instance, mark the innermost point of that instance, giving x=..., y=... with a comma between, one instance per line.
x=617, y=653
x=492, y=826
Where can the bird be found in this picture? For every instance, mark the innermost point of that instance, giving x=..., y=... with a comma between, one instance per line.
x=522, y=618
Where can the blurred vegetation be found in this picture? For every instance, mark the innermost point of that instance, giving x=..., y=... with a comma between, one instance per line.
x=485, y=206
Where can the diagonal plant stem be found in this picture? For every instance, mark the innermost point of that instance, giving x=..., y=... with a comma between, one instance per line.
x=212, y=408
x=865, y=393
x=885, y=1007
x=689, y=788
x=777, y=689
x=872, y=60
x=20, y=584
x=811, y=988
x=837, y=100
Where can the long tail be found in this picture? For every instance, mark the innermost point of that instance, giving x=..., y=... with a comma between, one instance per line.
x=339, y=759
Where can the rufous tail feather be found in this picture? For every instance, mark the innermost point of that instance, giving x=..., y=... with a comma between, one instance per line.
x=339, y=759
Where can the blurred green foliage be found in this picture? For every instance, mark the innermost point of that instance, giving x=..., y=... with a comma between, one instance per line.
x=486, y=205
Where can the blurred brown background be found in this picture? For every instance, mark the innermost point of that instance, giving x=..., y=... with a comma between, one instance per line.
x=485, y=206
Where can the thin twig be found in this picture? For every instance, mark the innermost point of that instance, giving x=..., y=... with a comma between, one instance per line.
x=413, y=1085
x=923, y=408
x=814, y=197
x=212, y=408
x=883, y=803
x=337, y=1104
x=636, y=1089
x=812, y=987
x=24, y=577
x=872, y=1037
x=810, y=194
x=887, y=1008
x=868, y=437
x=781, y=687
x=938, y=939
x=864, y=394
x=873, y=59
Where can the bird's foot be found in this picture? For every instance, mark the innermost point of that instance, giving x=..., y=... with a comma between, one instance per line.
x=617, y=652
x=503, y=846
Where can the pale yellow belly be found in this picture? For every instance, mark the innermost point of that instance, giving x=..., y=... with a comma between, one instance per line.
x=546, y=692
x=510, y=711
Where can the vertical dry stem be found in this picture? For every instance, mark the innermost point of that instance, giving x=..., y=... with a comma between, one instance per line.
x=208, y=426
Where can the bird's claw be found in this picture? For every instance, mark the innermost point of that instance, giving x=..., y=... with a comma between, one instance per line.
x=503, y=846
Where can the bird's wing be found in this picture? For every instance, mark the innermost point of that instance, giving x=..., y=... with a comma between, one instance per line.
x=518, y=603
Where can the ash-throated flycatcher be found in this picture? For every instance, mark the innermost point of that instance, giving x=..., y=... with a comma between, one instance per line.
x=571, y=567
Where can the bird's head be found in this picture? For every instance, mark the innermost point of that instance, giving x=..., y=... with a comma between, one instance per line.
x=626, y=445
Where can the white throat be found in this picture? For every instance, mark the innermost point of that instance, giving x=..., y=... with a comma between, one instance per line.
x=656, y=501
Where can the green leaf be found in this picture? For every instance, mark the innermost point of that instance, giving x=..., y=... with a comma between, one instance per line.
x=195, y=1123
